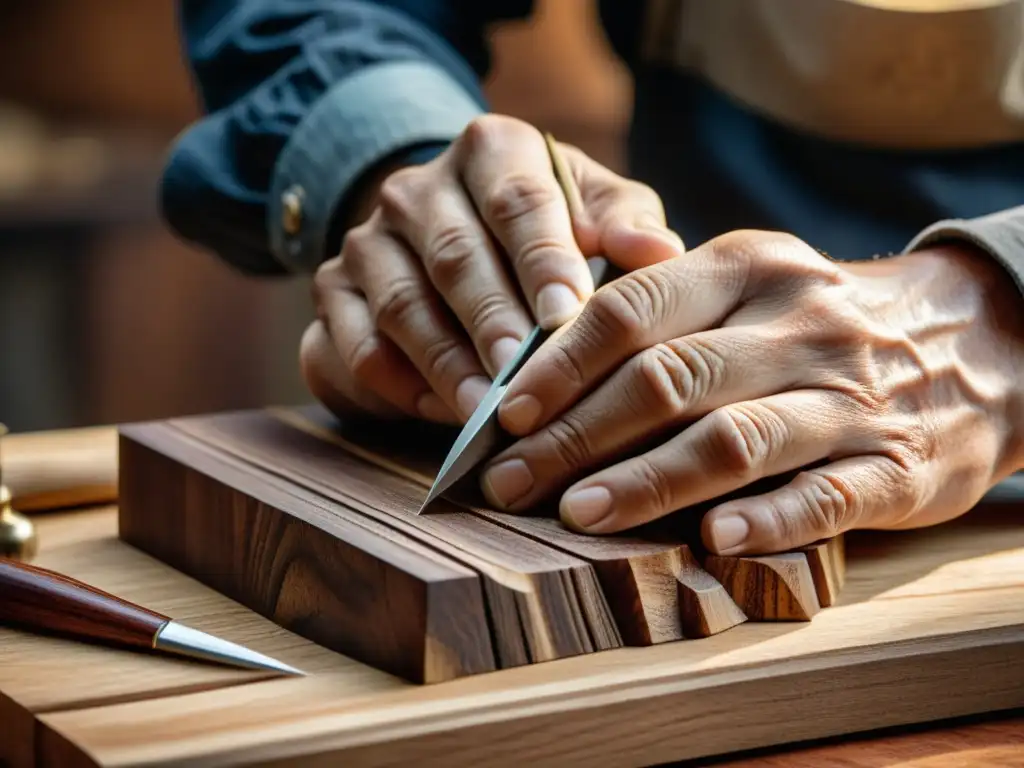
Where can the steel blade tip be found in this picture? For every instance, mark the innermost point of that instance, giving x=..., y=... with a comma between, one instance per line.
x=182, y=640
x=431, y=497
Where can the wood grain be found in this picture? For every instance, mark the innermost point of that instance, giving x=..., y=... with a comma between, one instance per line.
x=827, y=560
x=40, y=673
x=998, y=744
x=544, y=593
x=310, y=565
x=920, y=611
x=773, y=587
x=544, y=603
x=705, y=605
x=622, y=558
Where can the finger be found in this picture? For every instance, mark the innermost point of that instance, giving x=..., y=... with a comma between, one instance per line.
x=507, y=171
x=726, y=450
x=668, y=300
x=862, y=492
x=459, y=256
x=405, y=307
x=372, y=360
x=331, y=382
x=661, y=387
x=621, y=219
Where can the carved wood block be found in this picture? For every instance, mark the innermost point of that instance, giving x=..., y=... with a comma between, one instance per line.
x=770, y=588
x=313, y=524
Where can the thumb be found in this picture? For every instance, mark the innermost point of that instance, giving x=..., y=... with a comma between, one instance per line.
x=638, y=243
x=621, y=219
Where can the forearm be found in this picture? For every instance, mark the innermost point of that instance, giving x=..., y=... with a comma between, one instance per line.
x=303, y=101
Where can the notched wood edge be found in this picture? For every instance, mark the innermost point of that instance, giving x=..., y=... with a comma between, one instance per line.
x=768, y=588
x=706, y=608
x=827, y=560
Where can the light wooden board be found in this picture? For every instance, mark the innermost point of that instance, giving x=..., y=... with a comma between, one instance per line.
x=930, y=624
x=47, y=674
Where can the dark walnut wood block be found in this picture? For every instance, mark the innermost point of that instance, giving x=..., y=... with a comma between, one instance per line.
x=313, y=524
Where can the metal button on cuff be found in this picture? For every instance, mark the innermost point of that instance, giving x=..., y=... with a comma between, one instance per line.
x=291, y=210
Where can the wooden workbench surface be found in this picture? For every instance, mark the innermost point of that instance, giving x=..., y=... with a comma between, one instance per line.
x=908, y=594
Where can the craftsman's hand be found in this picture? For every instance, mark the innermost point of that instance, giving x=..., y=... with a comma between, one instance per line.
x=458, y=260
x=896, y=384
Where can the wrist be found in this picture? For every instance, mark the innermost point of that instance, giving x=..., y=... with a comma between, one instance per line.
x=962, y=286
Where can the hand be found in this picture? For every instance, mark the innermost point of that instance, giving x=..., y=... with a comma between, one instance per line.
x=423, y=306
x=895, y=383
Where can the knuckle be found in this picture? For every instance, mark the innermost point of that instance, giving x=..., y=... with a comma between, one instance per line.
x=743, y=438
x=783, y=256
x=355, y=251
x=449, y=256
x=537, y=255
x=783, y=526
x=487, y=310
x=669, y=382
x=570, y=443
x=398, y=192
x=364, y=358
x=693, y=368
x=324, y=279
x=441, y=355
x=656, y=483
x=516, y=196
x=396, y=306
x=487, y=130
x=565, y=361
x=627, y=311
x=659, y=385
x=828, y=504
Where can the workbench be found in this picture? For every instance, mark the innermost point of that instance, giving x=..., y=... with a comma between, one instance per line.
x=66, y=703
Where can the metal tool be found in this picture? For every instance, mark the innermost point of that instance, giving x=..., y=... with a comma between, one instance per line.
x=40, y=600
x=18, y=539
x=482, y=432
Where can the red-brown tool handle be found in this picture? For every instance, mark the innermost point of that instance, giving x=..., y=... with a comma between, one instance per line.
x=43, y=601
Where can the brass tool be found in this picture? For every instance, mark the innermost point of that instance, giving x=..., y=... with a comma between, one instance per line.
x=18, y=539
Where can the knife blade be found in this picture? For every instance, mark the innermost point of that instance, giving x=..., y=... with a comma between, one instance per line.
x=482, y=432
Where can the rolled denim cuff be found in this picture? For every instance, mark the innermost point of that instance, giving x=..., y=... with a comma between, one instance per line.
x=367, y=117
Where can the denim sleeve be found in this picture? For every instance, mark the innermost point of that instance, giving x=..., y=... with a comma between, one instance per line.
x=1001, y=235
x=301, y=98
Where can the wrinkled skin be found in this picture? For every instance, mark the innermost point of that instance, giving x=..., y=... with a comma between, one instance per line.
x=425, y=303
x=894, y=384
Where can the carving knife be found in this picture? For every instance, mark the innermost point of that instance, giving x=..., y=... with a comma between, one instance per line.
x=47, y=602
x=482, y=432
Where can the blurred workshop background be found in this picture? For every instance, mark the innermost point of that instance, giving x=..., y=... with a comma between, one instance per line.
x=104, y=316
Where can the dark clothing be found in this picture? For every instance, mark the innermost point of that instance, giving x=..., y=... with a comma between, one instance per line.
x=303, y=97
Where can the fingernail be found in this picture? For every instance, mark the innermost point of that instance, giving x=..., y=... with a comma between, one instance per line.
x=503, y=350
x=520, y=414
x=507, y=482
x=728, y=532
x=663, y=233
x=469, y=394
x=557, y=303
x=587, y=506
x=432, y=407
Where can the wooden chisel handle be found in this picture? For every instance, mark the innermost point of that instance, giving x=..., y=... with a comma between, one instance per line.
x=43, y=601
